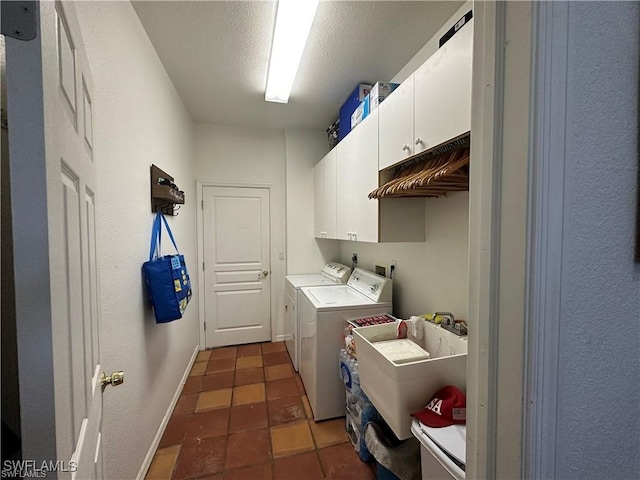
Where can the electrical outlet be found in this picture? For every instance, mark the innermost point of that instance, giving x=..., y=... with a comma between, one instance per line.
x=394, y=264
x=354, y=258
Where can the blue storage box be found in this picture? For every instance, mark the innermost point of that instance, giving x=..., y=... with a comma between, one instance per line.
x=361, y=112
x=350, y=105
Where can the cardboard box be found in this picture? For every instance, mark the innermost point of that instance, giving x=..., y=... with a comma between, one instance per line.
x=350, y=105
x=360, y=113
x=333, y=132
x=379, y=92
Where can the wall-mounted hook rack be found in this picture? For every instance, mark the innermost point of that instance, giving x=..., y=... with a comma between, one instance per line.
x=165, y=194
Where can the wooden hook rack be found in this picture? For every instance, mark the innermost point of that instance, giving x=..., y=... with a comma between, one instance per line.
x=165, y=194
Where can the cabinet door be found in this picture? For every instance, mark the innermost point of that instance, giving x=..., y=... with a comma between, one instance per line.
x=346, y=159
x=330, y=172
x=443, y=92
x=396, y=125
x=357, y=217
x=318, y=200
x=364, y=180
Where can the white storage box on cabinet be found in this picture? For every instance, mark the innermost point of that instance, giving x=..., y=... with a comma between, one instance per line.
x=358, y=217
x=324, y=184
x=398, y=390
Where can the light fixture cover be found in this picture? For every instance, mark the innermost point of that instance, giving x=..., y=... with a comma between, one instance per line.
x=293, y=24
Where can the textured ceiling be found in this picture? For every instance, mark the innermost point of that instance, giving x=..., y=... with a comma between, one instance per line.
x=217, y=53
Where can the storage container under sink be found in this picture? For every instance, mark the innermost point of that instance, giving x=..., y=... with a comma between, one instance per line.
x=400, y=388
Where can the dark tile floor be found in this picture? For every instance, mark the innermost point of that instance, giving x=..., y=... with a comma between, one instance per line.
x=243, y=415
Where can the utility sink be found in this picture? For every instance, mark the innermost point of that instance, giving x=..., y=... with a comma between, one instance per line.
x=399, y=388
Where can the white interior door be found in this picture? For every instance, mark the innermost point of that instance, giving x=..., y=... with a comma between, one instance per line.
x=237, y=281
x=71, y=198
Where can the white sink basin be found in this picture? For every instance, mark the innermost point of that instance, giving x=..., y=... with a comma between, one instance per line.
x=399, y=389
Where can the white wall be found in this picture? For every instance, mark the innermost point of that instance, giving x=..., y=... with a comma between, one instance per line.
x=305, y=254
x=139, y=120
x=430, y=275
x=249, y=156
x=598, y=391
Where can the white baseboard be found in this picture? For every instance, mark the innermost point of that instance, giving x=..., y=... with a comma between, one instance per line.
x=163, y=425
x=280, y=338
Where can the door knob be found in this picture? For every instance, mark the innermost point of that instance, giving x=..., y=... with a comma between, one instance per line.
x=115, y=379
x=263, y=274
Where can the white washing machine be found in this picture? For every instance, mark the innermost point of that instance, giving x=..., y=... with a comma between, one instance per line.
x=332, y=273
x=323, y=313
x=442, y=451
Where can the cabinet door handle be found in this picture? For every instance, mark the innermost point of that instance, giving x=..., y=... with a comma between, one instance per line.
x=419, y=141
x=406, y=147
x=355, y=236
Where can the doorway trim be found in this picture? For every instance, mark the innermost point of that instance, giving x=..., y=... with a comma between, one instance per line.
x=200, y=185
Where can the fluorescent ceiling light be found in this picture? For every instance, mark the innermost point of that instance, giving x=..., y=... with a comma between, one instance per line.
x=293, y=23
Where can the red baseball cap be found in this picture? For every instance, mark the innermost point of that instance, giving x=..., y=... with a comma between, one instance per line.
x=447, y=407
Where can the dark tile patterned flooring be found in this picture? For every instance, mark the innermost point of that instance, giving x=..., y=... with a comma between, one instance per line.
x=243, y=415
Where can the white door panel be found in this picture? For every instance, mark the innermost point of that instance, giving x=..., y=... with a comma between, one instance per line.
x=72, y=233
x=237, y=264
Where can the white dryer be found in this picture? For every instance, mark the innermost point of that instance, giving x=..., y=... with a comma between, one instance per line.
x=333, y=273
x=323, y=313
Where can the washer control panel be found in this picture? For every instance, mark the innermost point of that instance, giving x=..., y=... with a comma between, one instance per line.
x=372, y=285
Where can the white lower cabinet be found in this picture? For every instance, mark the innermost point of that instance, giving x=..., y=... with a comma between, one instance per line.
x=324, y=183
x=359, y=218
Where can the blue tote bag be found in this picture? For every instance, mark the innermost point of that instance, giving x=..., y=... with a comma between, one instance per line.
x=166, y=276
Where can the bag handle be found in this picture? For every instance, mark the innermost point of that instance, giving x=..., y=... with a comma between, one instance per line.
x=166, y=224
x=156, y=236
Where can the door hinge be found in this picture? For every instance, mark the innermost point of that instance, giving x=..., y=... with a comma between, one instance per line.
x=205, y=326
x=19, y=20
x=202, y=204
x=203, y=266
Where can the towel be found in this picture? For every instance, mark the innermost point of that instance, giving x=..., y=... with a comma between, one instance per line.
x=403, y=459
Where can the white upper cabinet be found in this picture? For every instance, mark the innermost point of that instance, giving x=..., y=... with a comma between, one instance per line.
x=396, y=125
x=432, y=106
x=324, y=205
x=357, y=217
x=443, y=92
x=318, y=199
